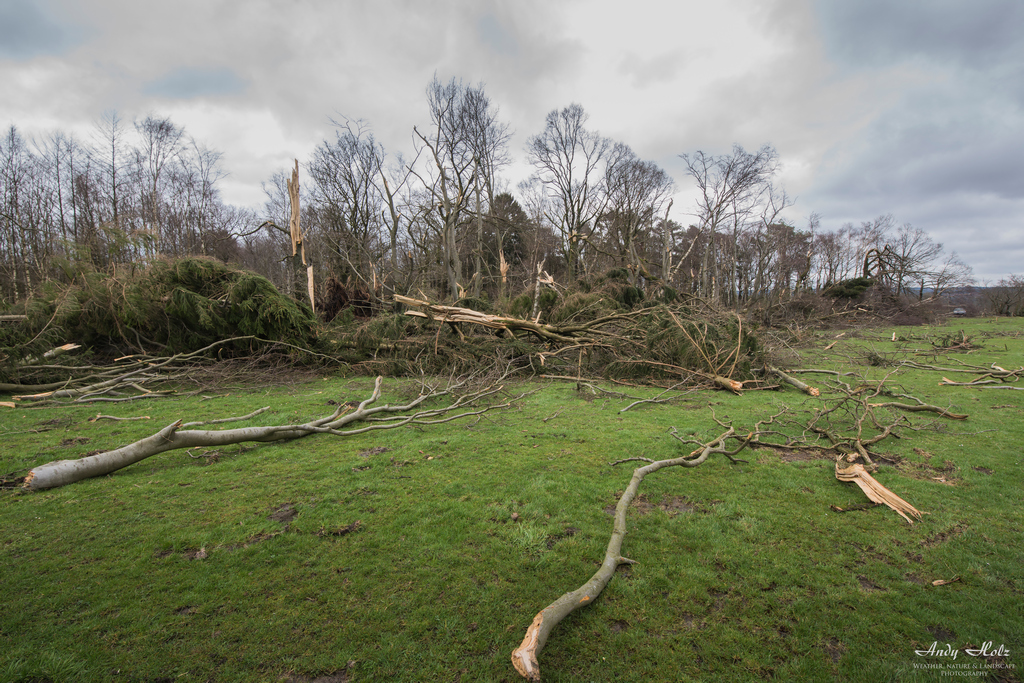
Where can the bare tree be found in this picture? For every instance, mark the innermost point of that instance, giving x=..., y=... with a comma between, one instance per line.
x=394, y=178
x=112, y=157
x=570, y=161
x=1007, y=297
x=951, y=273
x=345, y=173
x=911, y=254
x=161, y=142
x=637, y=190
x=452, y=159
x=730, y=188
x=489, y=138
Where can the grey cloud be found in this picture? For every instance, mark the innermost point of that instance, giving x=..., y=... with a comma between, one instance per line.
x=188, y=82
x=938, y=142
x=977, y=34
x=28, y=30
x=644, y=72
x=495, y=35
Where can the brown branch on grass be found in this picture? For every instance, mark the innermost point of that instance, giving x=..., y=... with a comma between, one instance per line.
x=524, y=658
x=173, y=436
x=920, y=407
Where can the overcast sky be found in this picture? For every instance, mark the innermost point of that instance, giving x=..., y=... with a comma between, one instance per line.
x=908, y=107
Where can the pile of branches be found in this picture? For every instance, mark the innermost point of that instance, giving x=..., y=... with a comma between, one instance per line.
x=139, y=328
x=142, y=376
x=589, y=337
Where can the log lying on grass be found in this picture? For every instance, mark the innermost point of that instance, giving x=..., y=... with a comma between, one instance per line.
x=793, y=381
x=524, y=658
x=172, y=437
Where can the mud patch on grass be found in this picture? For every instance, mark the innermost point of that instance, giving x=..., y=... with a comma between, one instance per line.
x=983, y=470
x=942, y=633
x=796, y=455
x=340, y=531
x=618, y=626
x=74, y=441
x=944, y=536
x=569, y=532
x=284, y=514
x=868, y=586
x=946, y=473
x=11, y=481
x=834, y=649
x=376, y=450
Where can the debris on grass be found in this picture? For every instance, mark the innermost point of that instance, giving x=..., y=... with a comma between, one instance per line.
x=875, y=491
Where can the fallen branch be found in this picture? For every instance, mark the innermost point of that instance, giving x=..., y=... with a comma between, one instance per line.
x=806, y=388
x=172, y=437
x=875, y=492
x=557, y=333
x=920, y=407
x=52, y=353
x=524, y=658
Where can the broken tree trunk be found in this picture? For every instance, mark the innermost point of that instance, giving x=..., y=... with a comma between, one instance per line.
x=875, y=492
x=576, y=333
x=524, y=658
x=299, y=263
x=172, y=437
x=806, y=388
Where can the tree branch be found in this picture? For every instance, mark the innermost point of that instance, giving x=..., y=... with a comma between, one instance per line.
x=172, y=437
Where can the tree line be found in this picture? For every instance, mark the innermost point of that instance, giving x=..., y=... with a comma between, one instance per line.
x=442, y=218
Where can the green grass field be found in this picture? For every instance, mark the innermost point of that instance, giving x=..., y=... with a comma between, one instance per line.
x=393, y=556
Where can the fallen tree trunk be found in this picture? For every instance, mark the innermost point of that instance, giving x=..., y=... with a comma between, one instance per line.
x=793, y=381
x=524, y=658
x=585, y=332
x=172, y=437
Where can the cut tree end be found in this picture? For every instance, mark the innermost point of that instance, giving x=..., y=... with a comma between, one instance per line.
x=524, y=658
